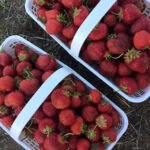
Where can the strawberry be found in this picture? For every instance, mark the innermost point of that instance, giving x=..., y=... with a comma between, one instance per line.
x=49, y=109
x=45, y=63
x=93, y=133
x=128, y=85
x=5, y=59
x=142, y=23
x=86, y=57
x=39, y=115
x=93, y=2
x=39, y=137
x=7, y=121
x=69, y=88
x=115, y=117
x=58, y=6
x=47, y=126
x=83, y=144
x=104, y=107
x=63, y=38
x=73, y=141
x=143, y=80
x=95, y=96
x=71, y=3
x=7, y=83
x=89, y=113
x=62, y=129
x=124, y=70
x=80, y=15
x=113, y=8
x=78, y=127
x=18, y=109
x=1, y=71
x=52, y=14
x=4, y=111
x=96, y=50
x=42, y=147
x=14, y=99
x=80, y=86
x=109, y=135
x=117, y=80
x=33, y=56
x=104, y=121
x=40, y=3
x=85, y=101
x=110, y=20
x=99, y=32
x=15, y=62
x=2, y=97
x=23, y=56
x=136, y=60
x=120, y=27
x=9, y=71
x=97, y=146
x=41, y=14
x=21, y=66
x=67, y=117
x=142, y=40
x=46, y=75
x=108, y=68
x=59, y=99
x=20, y=47
x=76, y=100
x=36, y=73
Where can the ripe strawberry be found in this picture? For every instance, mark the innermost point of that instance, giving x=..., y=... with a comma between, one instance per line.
x=41, y=14
x=69, y=88
x=18, y=109
x=63, y=38
x=39, y=115
x=73, y=141
x=20, y=47
x=124, y=70
x=108, y=68
x=93, y=2
x=58, y=6
x=78, y=127
x=23, y=56
x=39, y=137
x=80, y=86
x=117, y=80
x=45, y=63
x=109, y=135
x=14, y=99
x=115, y=117
x=2, y=97
x=47, y=126
x=49, y=109
x=128, y=85
x=15, y=62
x=97, y=146
x=7, y=121
x=120, y=27
x=86, y=57
x=71, y=3
x=1, y=71
x=52, y=14
x=85, y=101
x=143, y=80
x=83, y=144
x=110, y=20
x=93, y=134
x=9, y=71
x=40, y=3
x=67, y=117
x=99, y=32
x=142, y=40
x=104, y=121
x=62, y=129
x=46, y=75
x=76, y=100
x=7, y=83
x=5, y=59
x=136, y=60
x=96, y=50
x=33, y=56
x=4, y=111
x=113, y=8
x=80, y=15
x=36, y=73
x=42, y=147
x=104, y=107
x=89, y=113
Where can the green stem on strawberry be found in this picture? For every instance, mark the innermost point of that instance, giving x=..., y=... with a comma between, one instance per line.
x=27, y=73
x=111, y=36
x=119, y=15
x=84, y=128
x=109, y=56
x=147, y=48
x=76, y=94
x=69, y=81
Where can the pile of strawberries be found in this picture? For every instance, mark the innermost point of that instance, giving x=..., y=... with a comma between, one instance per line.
x=70, y=117
x=119, y=45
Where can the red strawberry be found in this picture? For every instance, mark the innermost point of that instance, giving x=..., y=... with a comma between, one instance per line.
x=104, y=107
x=104, y=121
x=18, y=109
x=62, y=38
x=109, y=135
x=120, y=27
x=2, y=97
x=7, y=83
x=110, y=20
x=58, y=6
x=4, y=111
x=83, y=144
x=96, y=50
x=124, y=70
x=36, y=73
x=46, y=75
x=97, y=146
x=142, y=40
x=20, y=47
x=89, y=113
x=117, y=80
x=86, y=57
x=80, y=15
x=47, y=126
x=49, y=109
x=128, y=85
x=99, y=32
x=1, y=71
x=45, y=63
x=9, y=71
x=69, y=88
x=40, y=3
x=62, y=129
x=33, y=56
x=41, y=14
x=85, y=101
x=71, y=3
x=39, y=137
x=42, y=147
x=95, y=96
x=113, y=8
x=108, y=68
x=7, y=121
x=136, y=60
x=93, y=134
x=15, y=62
x=39, y=115
x=80, y=86
x=93, y=2
x=115, y=117
x=52, y=14
x=73, y=141
x=5, y=59
x=67, y=117
x=143, y=80
x=76, y=100
x=23, y=56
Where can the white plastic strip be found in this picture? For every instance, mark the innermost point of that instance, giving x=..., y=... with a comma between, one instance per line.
x=147, y=3
x=88, y=25
x=36, y=101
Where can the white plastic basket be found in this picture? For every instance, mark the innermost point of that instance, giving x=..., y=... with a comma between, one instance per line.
x=16, y=129
x=81, y=35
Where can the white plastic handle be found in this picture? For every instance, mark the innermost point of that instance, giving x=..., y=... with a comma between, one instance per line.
x=36, y=101
x=147, y=2
x=88, y=25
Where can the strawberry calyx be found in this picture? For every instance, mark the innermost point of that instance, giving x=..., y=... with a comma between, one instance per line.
x=89, y=98
x=106, y=139
x=111, y=36
x=104, y=102
x=27, y=73
x=91, y=133
x=69, y=81
x=65, y=137
x=109, y=55
x=42, y=19
x=41, y=2
x=119, y=15
x=101, y=121
x=33, y=58
x=76, y=94
x=76, y=12
x=22, y=57
x=84, y=128
x=123, y=88
x=68, y=93
x=48, y=130
x=147, y=48
x=94, y=146
x=25, y=48
x=3, y=109
x=17, y=82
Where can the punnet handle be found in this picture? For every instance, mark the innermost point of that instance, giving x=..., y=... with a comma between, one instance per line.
x=36, y=101
x=147, y=2
x=88, y=25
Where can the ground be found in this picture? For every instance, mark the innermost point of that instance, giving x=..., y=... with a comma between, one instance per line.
x=15, y=21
